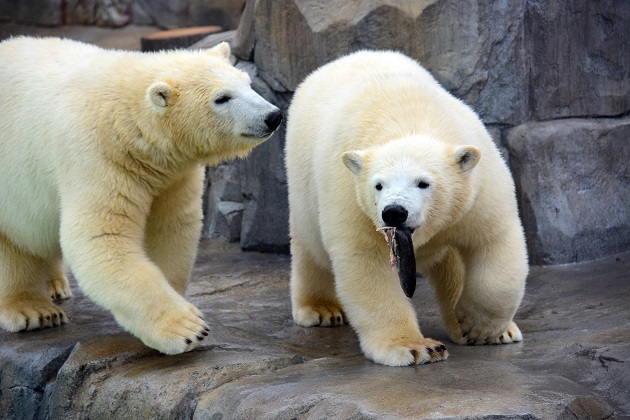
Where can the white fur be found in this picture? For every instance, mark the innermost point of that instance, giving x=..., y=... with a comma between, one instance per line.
x=101, y=160
x=379, y=118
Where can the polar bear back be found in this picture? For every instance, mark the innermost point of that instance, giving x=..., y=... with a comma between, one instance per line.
x=37, y=77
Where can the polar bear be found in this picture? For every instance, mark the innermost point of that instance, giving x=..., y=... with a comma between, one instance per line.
x=374, y=141
x=101, y=161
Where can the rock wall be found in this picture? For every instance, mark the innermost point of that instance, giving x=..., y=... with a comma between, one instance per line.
x=162, y=13
x=550, y=79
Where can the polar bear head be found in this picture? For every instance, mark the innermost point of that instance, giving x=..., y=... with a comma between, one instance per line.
x=207, y=109
x=414, y=183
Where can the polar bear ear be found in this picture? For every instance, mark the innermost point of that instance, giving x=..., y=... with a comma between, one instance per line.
x=466, y=157
x=160, y=95
x=223, y=49
x=353, y=161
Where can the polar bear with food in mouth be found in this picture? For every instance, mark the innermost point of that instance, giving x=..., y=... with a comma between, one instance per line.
x=375, y=143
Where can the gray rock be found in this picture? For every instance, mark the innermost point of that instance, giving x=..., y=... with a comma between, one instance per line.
x=25, y=376
x=580, y=60
x=224, y=202
x=33, y=12
x=481, y=62
x=98, y=12
x=497, y=134
x=228, y=220
x=215, y=39
x=512, y=61
x=257, y=364
x=265, y=219
x=169, y=14
x=244, y=39
x=226, y=185
x=224, y=13
x=180, y=13
x=141, y=13
x=573, y=187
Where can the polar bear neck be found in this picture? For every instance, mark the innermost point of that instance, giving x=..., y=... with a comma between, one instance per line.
x=141, y=147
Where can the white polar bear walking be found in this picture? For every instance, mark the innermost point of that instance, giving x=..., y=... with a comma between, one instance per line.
x=101, y=161
x=373, y=141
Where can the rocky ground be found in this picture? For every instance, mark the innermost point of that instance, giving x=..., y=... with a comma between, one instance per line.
x=256, y=364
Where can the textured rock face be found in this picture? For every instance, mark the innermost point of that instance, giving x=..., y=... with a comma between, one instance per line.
x=98, y=12
x=257, y=364
x=163, y=13
x=181, y=13
x=515, y=62
x=33, y=12
x=574, y=187
x=580, y=58
x=297, y=37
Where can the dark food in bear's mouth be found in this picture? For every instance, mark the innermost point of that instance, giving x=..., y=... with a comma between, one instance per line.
x=402, y=257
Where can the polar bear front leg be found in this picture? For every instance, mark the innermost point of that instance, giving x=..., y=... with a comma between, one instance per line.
x=380, y=312
x=106, y=252
x=174, y=227
x=493, y=289
x=313, y=297
x=25, y=301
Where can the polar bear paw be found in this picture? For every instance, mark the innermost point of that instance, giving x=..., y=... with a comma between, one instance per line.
x=30, y=313
x=175, y=331
x=481, y=332
x=404, y=352
x=511, y=335
x=58, y=287
x=324, y=315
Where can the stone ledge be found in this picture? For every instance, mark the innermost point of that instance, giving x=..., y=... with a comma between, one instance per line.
x=258, y=365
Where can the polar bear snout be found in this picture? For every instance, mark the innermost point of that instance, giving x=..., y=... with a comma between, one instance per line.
x=274, y=119
x=394, y=215
x=254, y=117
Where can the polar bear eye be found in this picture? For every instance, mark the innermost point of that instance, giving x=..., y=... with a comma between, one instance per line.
x=423, y=184
x=222, y=99
x=378, y=187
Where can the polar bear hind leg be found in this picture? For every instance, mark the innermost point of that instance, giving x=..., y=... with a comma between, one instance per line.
x=58, y=286
x=447, y=278
x=493, y=289
x=313, y=294
x=25, y=296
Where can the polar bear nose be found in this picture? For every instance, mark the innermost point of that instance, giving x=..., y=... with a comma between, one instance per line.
x=273, y=120
x=394, y=215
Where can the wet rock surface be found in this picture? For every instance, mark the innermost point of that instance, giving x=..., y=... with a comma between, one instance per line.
x=256, y=364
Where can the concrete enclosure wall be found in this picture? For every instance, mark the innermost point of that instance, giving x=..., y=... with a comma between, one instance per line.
x=551, y=79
